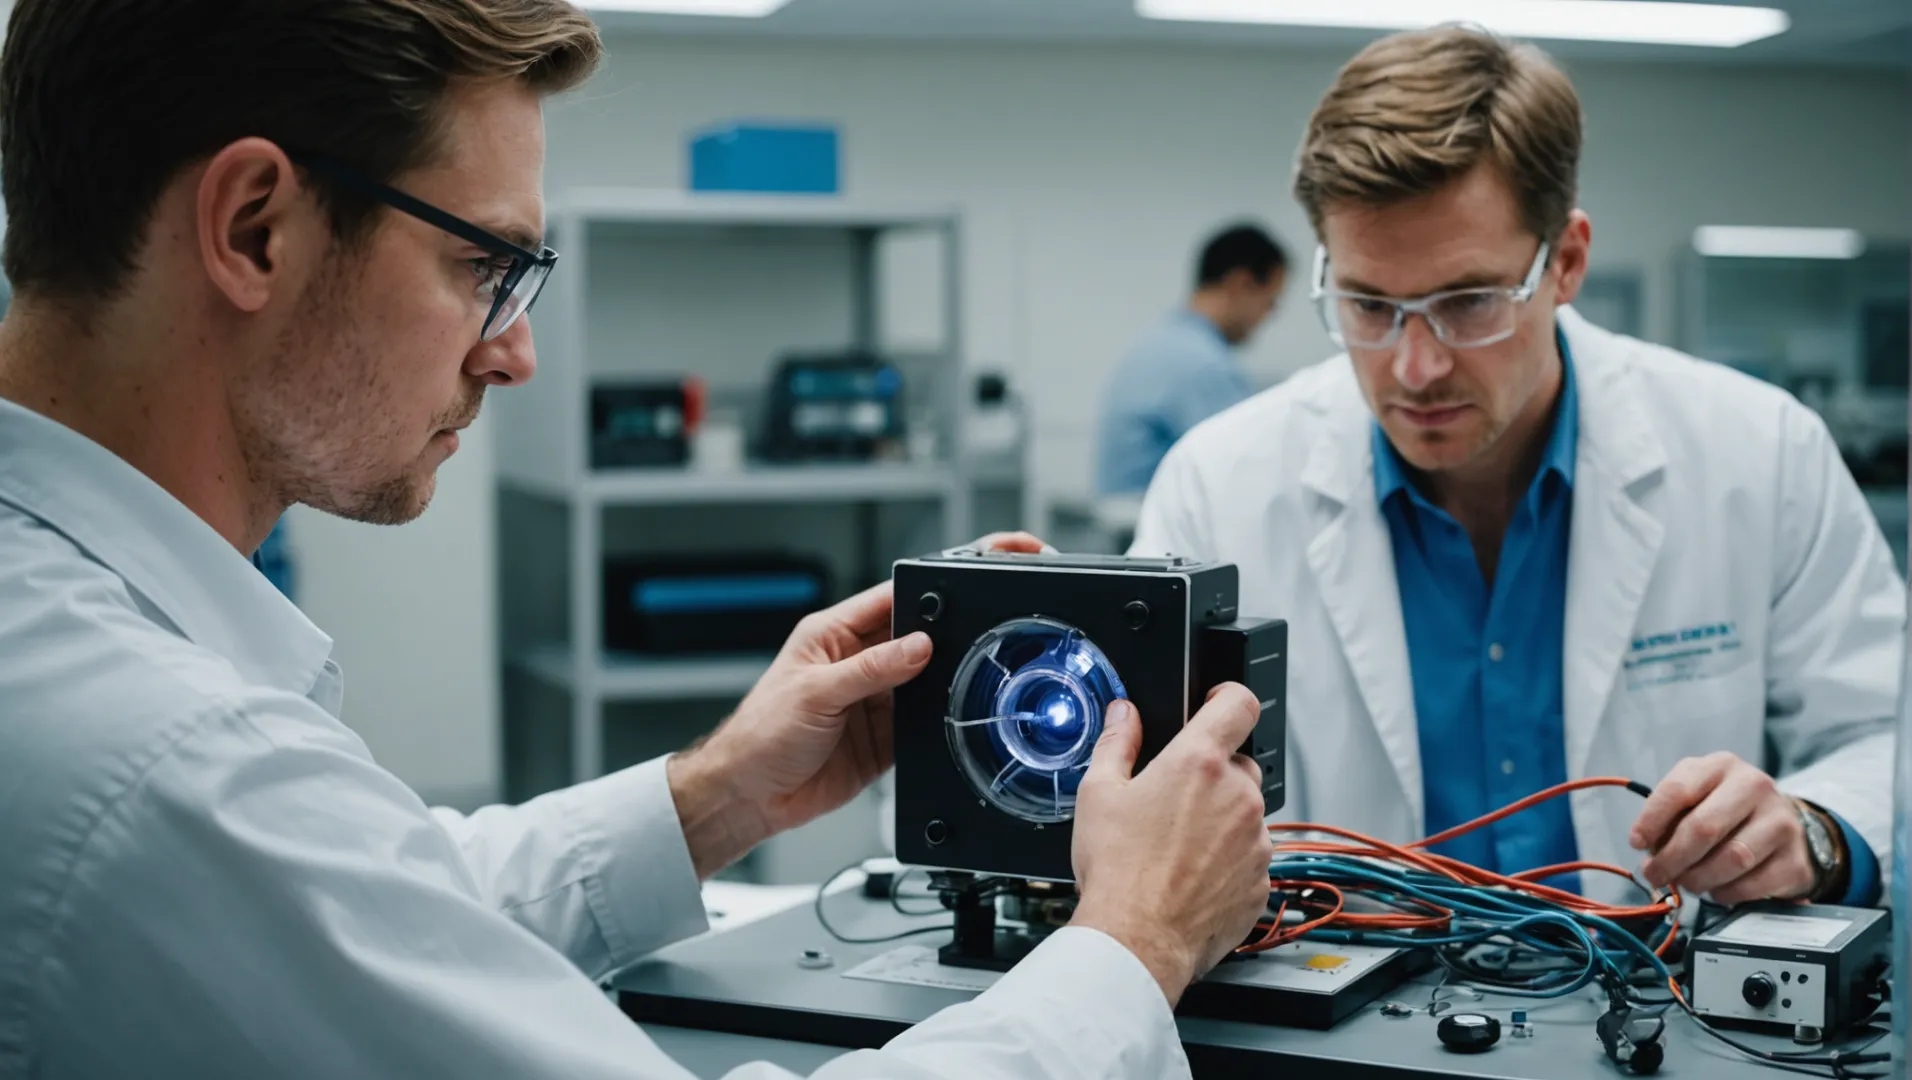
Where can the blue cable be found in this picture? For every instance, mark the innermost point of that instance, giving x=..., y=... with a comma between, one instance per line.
x=1485, y=914
x=1570, y=983
x=1480, y=914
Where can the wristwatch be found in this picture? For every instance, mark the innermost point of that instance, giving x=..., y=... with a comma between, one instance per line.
x=1824, y=849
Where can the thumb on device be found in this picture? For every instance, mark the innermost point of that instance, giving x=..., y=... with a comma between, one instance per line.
x=876, y=670
x=1229, y=716
x=1121, y=741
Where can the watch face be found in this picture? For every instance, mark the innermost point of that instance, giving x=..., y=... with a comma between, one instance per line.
x=1818, y=842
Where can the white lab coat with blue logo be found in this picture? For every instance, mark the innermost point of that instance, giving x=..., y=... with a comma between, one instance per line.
x=1726, y=582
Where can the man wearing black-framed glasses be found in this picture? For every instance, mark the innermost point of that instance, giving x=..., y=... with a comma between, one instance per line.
x=512, y=277
x=289, y=279
x=1524, y=551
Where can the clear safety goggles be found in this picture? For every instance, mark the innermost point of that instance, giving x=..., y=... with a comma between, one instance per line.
x=1460, y=318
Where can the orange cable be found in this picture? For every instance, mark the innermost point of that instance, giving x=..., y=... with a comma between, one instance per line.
x=1416, y=856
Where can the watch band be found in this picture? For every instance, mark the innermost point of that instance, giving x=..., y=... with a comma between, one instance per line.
x=1823, y=848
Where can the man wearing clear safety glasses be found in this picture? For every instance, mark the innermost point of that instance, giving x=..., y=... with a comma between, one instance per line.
x=1516, y=550
x=1465, y=318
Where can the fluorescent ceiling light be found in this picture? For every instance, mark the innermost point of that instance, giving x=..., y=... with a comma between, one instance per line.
x=735, y=9
x=1758, y=242
x=1647, y=21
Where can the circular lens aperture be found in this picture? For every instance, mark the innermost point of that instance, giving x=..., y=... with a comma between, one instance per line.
x=1025, y=712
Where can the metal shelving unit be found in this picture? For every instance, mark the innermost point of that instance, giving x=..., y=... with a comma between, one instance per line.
x=542, y=428
x=759, y=484
x=626, y=677
x=655, y=206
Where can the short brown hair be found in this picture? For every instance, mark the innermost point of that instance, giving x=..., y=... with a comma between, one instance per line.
x=102, y=102
x=1413, y=111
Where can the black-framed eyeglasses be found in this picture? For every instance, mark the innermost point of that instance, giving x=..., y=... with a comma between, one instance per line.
x=517, y=274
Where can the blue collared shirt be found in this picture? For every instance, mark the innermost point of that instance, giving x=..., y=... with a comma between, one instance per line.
x=1181, y=373
x=1486, y=661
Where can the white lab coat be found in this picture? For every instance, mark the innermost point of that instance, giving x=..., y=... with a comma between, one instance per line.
x=204, y=873
x=1726, y=582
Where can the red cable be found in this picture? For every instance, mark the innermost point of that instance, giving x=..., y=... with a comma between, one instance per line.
x=1511, y=809
x=1416, y=856
x=1276, y=936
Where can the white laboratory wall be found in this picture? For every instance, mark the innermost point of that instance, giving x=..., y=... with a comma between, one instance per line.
x=1087, y=174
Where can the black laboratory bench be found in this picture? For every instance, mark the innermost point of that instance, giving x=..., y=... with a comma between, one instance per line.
x=750, y=992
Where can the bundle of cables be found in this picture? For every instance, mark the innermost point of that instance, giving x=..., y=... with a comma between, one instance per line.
x=1545, y=942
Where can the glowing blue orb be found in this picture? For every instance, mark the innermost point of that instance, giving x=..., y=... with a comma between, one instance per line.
x=1025, y=712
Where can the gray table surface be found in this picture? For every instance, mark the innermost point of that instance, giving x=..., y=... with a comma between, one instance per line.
x=747, y=981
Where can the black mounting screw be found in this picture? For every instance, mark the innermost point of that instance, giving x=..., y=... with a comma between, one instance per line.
x=930, y=606
x=936, y=832
x=1136, y=614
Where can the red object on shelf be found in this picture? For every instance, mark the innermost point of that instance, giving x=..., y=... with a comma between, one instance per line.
x=696, y=398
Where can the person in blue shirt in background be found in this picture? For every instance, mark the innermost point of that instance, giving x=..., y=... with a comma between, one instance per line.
x=1185, y=370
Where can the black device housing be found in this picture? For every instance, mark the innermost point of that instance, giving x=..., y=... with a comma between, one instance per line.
x=1184, y=638
x=1319, y=1009
x=750, y=602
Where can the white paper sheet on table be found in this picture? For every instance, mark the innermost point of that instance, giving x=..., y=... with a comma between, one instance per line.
x=916, y=965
